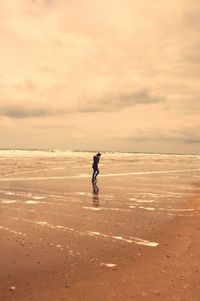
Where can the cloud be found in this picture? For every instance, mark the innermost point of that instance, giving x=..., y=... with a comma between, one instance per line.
x=190, y=135
x=136, y=64
x=111, y=102
x=19, y=112
x=185, y=135
x=29, y=111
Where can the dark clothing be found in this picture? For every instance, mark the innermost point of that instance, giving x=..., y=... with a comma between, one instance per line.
x=95, y=167
x=95, y=162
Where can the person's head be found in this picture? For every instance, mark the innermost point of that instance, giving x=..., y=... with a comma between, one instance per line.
x=98, y=155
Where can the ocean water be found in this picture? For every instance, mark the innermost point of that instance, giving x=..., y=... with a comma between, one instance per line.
x=112, y=164
x=134, y=195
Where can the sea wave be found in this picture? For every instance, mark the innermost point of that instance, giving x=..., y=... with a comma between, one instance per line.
x=88, y=153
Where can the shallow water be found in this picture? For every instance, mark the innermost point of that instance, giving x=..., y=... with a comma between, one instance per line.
x=134, y=195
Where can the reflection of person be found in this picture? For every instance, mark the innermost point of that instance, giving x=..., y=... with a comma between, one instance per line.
x=95, y=194
x=96, y=159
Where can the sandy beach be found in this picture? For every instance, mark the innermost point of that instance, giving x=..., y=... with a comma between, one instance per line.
x=132, y=236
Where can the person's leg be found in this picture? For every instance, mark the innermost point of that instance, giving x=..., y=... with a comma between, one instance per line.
x=93, y=175
x=96, y=173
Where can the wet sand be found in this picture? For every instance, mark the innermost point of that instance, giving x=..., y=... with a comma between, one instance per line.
x=126, y=238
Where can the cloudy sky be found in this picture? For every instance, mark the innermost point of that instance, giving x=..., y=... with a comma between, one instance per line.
x=100, y=75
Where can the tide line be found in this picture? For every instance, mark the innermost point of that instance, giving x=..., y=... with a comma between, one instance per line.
x=134, y=240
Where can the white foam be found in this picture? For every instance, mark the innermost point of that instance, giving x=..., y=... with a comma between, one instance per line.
x=189, y=209
x=12, y=231
x=42, y=223
x=44, y=153
x=151, y=194
x=147, y=208
x=108, y=265
x=93, y=233
x=135, y=240
x=8, y=201
x=105, y=208
x=122, y=238
x=144, y=242
x=34, y=202
x=92, y=208
x=176, y=209
x=65, y=228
